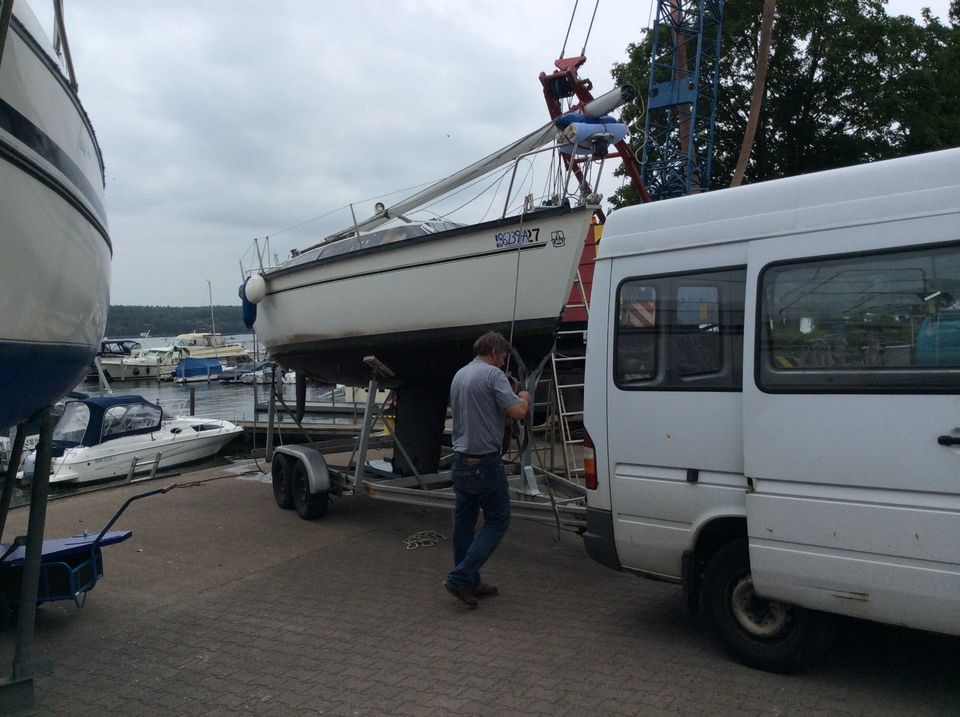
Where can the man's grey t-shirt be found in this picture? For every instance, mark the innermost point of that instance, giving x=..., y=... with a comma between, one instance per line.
x=479, y=395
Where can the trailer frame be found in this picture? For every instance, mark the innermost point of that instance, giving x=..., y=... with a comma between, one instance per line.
x=303, y=478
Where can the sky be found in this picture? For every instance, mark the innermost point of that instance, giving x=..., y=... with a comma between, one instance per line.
x=221, y=121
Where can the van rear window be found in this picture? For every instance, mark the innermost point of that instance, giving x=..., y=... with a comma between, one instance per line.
x=878, y=321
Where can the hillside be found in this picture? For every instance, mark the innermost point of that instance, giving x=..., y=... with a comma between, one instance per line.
x=131, y=321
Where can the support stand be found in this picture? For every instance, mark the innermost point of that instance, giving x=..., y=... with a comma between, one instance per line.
x=16, y=691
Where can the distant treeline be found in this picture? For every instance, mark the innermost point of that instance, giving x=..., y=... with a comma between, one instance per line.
x=131, y=321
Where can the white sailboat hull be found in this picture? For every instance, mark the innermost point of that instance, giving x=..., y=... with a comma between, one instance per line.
x=54, y=248
x=419, y=304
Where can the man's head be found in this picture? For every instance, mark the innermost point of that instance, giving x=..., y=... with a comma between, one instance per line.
x=492, y=346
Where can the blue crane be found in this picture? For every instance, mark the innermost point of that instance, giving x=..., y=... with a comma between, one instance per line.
x=682, y=97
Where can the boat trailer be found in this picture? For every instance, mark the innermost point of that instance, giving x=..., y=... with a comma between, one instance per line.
x=303, y=479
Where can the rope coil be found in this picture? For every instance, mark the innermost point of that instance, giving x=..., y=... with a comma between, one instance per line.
x=423, y=539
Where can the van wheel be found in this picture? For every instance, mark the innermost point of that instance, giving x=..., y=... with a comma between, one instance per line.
x=765, y=634
x=309, y=505
x=280, y=472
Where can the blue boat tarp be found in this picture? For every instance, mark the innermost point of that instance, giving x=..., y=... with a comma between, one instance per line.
x=197, y=368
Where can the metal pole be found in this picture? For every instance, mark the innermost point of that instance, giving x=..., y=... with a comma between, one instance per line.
x=369, y=415
x=271, y=417
x=193, y=401
x=16, y=452
x=24, y=667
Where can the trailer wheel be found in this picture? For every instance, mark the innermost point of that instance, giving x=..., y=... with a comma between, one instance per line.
x=765, y=634
x=280, y=472
x=309, y=505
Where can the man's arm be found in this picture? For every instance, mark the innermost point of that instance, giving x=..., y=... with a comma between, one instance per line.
x=519, y=410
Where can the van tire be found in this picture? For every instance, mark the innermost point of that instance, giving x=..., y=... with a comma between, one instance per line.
x=280, y=474
x=765, y=634
x=308, y=505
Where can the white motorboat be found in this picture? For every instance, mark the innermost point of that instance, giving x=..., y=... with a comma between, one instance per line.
x=206, y=345
x=162, y=361
x=98, y=438
x=153, y=363
x=55, y=249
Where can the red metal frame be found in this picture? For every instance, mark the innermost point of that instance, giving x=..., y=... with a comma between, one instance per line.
x=567, y=70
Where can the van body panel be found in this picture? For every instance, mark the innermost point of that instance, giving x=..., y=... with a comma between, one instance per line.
x=661, y=511
x=837, y=448
x=856, y=507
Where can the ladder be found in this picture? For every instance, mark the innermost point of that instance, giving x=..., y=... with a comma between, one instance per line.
x=567, y=374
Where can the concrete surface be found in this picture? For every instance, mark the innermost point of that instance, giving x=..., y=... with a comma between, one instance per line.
x=223, y=604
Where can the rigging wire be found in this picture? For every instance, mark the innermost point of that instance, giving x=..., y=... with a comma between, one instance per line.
x=573, y=14
x=590, y=28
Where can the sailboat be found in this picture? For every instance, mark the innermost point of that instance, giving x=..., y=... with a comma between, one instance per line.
x=55, y=249
x=415, y=295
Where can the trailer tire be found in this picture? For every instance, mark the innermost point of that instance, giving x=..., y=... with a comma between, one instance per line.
x=309, y=505
x=764, y=634
x=280, y=473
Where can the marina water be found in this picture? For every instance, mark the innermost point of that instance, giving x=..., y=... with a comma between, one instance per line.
x=235, y=402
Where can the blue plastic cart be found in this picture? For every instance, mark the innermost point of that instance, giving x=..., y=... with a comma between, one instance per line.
x=69, y=567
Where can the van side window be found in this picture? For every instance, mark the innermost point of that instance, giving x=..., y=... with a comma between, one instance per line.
x=872, y=322
x=681, y=332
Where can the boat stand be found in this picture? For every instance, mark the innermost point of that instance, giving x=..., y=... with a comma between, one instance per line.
x=535, y=494
x=16, y=691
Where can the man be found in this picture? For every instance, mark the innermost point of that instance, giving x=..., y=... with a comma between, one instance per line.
x=481, y=398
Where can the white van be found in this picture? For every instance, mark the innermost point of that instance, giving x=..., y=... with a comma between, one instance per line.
x=773, y=402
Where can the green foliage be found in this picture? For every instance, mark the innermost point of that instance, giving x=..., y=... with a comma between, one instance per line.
x=846, y=84
x=131, y=321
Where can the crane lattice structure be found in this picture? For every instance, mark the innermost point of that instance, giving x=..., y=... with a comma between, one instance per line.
x=682, y=97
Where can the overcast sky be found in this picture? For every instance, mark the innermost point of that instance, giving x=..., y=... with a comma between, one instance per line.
x=225, y=120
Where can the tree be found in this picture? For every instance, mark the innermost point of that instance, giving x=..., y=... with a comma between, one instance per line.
x=846, y=84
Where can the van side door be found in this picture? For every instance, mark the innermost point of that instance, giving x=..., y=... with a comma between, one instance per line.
x=852, y=421
x=673, y=406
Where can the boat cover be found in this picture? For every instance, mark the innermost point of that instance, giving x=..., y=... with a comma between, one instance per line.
x=579, y=130
x=189, y=367
x=146, y=418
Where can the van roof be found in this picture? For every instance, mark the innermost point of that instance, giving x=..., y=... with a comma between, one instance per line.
x=862, y=194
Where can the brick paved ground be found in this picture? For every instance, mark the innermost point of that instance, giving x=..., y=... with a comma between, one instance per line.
x=222, y=604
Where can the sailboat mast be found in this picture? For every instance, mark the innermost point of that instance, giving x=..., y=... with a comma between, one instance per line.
x=213, y=325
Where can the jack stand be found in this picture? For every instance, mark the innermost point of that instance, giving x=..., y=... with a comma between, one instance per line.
x=370, y=415
x=16, y=691
x=529, y=482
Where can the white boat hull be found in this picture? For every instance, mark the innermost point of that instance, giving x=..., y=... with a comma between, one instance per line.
x=419, y=304
x=54, y=248
x=112, y=459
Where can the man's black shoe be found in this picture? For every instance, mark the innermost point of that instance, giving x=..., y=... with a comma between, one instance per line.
x=485, y=591
x=464, y=594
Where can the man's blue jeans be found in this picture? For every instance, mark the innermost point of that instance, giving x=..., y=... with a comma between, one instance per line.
x=479, y=486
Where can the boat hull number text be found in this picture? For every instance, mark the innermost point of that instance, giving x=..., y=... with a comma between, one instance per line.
x=517, y=237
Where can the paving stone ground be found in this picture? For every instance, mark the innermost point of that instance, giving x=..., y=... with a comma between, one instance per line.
x=223, y=604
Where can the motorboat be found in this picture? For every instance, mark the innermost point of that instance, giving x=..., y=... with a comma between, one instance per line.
x=207, y=345
x=54, y=243
x=154, y=363
x=114, y=349
x=98, y=438
x=234, y=374
x=192, y=369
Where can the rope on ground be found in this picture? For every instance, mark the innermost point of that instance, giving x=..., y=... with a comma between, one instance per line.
x=423, y=539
